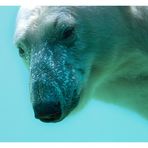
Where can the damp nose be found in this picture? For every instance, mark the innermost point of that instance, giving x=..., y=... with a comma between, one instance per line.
x=47, y=111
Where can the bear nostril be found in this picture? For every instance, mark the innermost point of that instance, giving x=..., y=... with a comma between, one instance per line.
x=48, y=111
x=48, y=118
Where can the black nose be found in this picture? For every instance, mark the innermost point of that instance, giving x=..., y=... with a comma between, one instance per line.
x=47, y=111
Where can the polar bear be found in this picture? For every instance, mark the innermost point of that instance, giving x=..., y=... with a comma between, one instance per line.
x=76, y=53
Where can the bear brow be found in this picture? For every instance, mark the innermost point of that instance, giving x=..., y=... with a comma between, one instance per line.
x=56, y=22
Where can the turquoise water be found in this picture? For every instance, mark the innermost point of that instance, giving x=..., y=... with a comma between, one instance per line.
x=98, y=121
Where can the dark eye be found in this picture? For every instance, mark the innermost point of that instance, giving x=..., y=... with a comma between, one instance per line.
x=68, y=33
x=21, y=51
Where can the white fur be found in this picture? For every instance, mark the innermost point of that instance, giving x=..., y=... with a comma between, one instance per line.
x=118, y=39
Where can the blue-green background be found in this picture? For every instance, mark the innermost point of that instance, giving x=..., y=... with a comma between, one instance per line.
x=98, y=121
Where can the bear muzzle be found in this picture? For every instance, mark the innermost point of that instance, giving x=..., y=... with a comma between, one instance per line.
x=54, y=84
x=47, y=101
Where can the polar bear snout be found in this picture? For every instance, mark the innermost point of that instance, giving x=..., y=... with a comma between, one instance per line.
x=53, y=80
x=46, y=100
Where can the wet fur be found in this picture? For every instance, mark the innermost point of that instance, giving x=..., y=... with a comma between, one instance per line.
x=111, y=50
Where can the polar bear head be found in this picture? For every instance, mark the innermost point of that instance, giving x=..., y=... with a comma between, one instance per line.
x=53, y=42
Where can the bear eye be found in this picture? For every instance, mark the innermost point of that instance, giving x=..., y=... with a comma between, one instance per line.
x=68, y=32
x=21, y=51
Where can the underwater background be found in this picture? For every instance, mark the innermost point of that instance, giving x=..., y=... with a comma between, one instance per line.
x=97, y=121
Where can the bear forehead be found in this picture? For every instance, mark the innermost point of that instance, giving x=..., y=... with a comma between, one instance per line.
x=32, y=18
x=36, y=18
x=34, y=14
